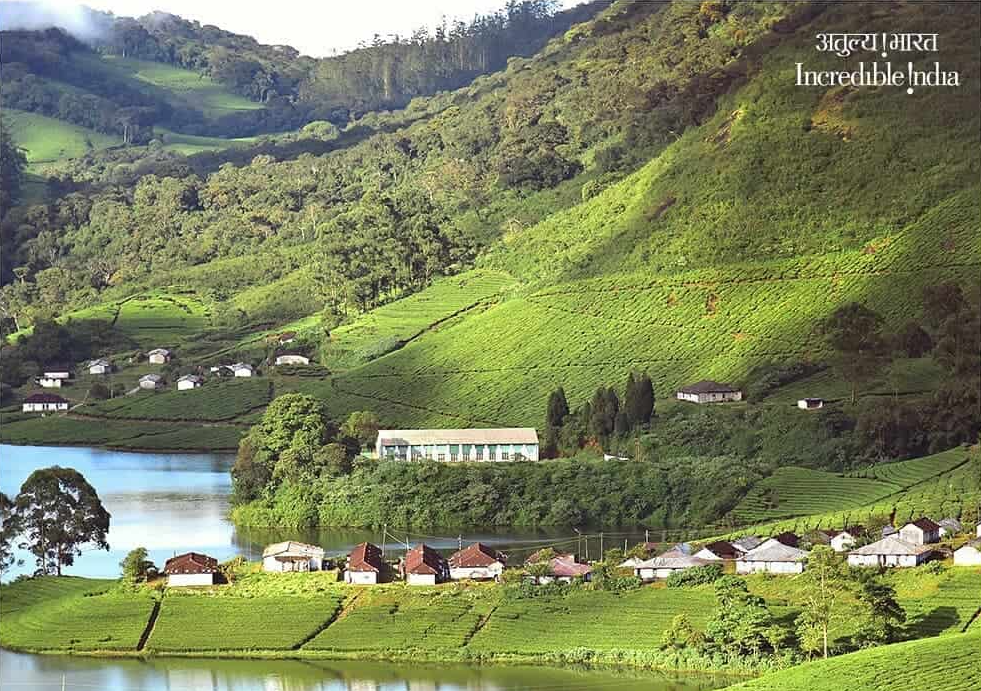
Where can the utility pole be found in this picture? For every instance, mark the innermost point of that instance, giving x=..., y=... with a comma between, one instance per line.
x=384, y=536
x=601, y=545
x=63, y=682
x=578, y=543
x=459, y=542
x=647, y=535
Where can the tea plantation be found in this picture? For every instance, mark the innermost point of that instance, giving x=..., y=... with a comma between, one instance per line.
x=800, y=491
x=189, y=623
x=219, y=400
x=67, y=614
x=949, y=663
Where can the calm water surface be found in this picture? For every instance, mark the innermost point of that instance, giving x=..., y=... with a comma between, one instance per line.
x=172, y=503
x=45, y=673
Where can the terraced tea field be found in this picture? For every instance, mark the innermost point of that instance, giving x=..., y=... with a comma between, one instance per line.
x=799, y=491
x=63, y=614
x=597, y=620
x=948, y=663
x=794, y=491
x=386, y=328
x=955, y=487
x=497, y=366
x=217, y=399
x=201, y=622
x=405, y=619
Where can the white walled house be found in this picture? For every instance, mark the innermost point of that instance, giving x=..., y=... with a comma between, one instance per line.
x=476, y=562
x=968, y=554
x=57, y=372
x=159, y=356
x=810, y=403
x=189, y=381
x=284, y=557
x=950, y=526
x=100, y=366
x=365, y=565
x=425, y=566
x=843, y=540
x=44, y=403
x=922, y=531
x=292, y=359
x=661, y=567
x=191, y=569
x=454, y=445
x=889, y=551
x=708, y=391
x=49, y=382
x=241, y=369
x=151, y=382
x=772, y=556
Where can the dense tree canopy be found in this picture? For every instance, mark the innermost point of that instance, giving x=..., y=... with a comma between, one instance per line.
x=60, y=513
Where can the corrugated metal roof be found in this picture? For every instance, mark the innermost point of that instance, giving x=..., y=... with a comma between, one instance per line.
x=423, y=559
x=475, y=555
x=672, y=559
x=191, y=562
x=501, y=435
x=365, y=557
x=891, y=545
x=708, y=386
x=773, y=550
x=292, y=548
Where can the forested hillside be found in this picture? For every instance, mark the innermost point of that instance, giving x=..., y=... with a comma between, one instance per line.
x=650, y=192
x=138, y=78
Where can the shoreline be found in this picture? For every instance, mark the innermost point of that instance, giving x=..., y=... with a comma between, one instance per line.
x=597, y=660
x=121, y=449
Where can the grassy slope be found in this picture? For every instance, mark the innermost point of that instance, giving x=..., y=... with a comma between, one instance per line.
x=47, y=139
x=949, y=663
x=184, y=88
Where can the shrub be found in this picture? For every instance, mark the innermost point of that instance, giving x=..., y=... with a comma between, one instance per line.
x=697, y=575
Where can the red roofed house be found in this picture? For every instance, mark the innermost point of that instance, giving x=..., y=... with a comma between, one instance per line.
x=44, y=403
x=364, y=565
x=564, y=569
x=922, y=531
x=714, y=551
x=425, y=566
x=477, y=561
x=191, y=569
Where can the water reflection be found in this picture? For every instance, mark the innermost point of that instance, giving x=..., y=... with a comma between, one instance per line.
x=43, y=673
x=172, y=503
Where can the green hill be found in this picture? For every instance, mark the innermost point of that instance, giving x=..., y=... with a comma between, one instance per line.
x=949, y=663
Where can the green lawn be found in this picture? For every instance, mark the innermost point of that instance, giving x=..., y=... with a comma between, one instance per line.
x=188, y=144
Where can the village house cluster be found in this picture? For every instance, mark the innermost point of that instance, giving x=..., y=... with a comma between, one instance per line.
x=781, y=554
x=57, y=375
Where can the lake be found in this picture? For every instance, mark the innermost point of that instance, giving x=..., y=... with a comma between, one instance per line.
x=172, y=503
x=46, y=673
